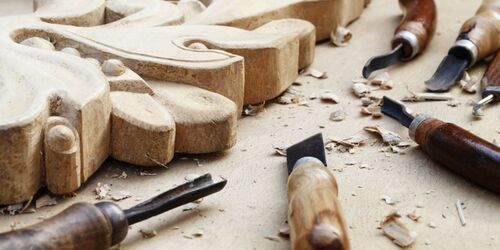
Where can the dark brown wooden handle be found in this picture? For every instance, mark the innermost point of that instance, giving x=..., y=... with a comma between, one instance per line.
x=420, y=21
x=461, y=151
x=484, y=29
x=80, y=226
x=491, y=79
x=314, y=213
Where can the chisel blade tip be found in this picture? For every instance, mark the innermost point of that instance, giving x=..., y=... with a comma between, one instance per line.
x=312, y=147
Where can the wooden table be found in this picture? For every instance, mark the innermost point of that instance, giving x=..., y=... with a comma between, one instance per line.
x=253, y=205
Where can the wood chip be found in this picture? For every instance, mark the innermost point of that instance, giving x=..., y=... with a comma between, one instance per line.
x=316, y=73
x=468, y=84
x=45, y=201
x=394, y=229
x=338, y=115
x=272, y=238
x=147, y=174
x=285, y=230
x=190, y=206
x=372, y=110
x=147, y=233
x=198, y=233
x=191, y=177
x=253, y=110
x=329, y=97
x=291, y=95
x=120, y=195
x=388, y=200
x=460, y=212
x=414, y=216
x=422, y=97
x=432, y=224
x=280, y=150
x=340, y=36
x=102, y=191
x=360, y=89
x=389, y=137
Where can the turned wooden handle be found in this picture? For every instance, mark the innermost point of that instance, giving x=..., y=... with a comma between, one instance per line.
x=461, y=151
x=420, y=21
x=491, y=78
x=484, y=29
x=80, y=226
x=314, y=213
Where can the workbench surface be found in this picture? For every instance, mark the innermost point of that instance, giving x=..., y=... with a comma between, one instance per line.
x=250, y=211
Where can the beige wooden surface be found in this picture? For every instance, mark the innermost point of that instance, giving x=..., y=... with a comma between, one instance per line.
x=253, y=205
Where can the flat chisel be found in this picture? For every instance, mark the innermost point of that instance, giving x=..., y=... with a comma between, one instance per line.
x=491, y=88
x=314, y=213
x=479, y=37
x=456, y=148
x=89, y=226
x=411, y=36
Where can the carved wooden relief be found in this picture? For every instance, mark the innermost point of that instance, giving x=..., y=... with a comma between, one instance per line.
x=120, y=78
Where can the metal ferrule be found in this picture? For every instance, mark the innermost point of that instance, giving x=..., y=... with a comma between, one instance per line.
x=410, y=39
x=469, y=47
x=415, y=123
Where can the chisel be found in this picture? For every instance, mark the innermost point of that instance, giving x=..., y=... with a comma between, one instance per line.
x=491, y=88
x=454, y=147
x=314, y=213
x=89, y=226
x=411, y=36
x=479, y=37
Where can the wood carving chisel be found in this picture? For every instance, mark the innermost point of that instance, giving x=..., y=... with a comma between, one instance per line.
x=314, y=213
x=479, y=37
x=89, y=226
x=491, y=88
x=411, y=36
x=454, y=147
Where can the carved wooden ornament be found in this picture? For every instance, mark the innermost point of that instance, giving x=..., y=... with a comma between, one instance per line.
x=82, y=80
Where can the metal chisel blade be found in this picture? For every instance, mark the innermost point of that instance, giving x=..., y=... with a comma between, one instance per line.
x=447, y=74
x=312, y=147
x=383, y=61
x=397, y=111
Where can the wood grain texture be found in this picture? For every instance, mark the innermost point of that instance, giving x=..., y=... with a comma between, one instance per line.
x=484, y=28
x=461, y=151
x=420, y=18
x=314, y=213
x=491, y=79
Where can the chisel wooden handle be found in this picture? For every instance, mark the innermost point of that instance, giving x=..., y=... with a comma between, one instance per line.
x=483, y=30
x=314, y=214
x=81, y=226
x=417, y=27
x=460, y=151
x=491, y=79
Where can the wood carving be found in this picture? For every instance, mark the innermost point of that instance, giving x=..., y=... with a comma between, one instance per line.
x=119, y=78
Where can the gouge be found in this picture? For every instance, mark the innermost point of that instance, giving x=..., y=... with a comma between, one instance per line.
x=411, y=36
x=491, y=90
x=454, y=147
x=479, y=37
x=314, y=213
x=99, y=226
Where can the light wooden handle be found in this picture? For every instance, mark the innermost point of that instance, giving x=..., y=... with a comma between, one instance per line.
x=81, y=226
x=314, y=214
x=483, y=29
x=417, y=27
x=461, y=151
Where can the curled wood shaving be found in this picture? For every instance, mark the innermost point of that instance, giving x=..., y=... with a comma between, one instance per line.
x=388, y=200
x=338, y=115
x=280, y=150
x=315, y=73
x=329, y=97
x=340, y=36
x=422, y=97
x=253, y=110
x=348, y=144
x=389, y=137
x=102, y=191
x=373, y=110
x=360, y=89
x=382, y=80
x=468, y=84
x=397, y=231
x=291, y=95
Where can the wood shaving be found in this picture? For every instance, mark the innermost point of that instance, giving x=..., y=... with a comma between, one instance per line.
x=45, y=201
x=190, y=206
x=340, y=36
x=382, y=80
x=389, y=137
x=372, y=110
x=291, y=95
x=120, y=195
x=422, y=97
x=329, y=97
x=191, y=177
x=367, y=101
x=123, y=175
x=360, y=80
x=253, y=110
x=315, y=73
x=453, y=103
x=272, y=238
x=395, y=230
x=388, y=200
x=414, y=216
x=147, y=174
x=102, y=191
x=432, y=224
x=279, y=150
x=348, y=144
x=360, y=89
x=198, y=233
x=338, y=115
x=468, y=84
x=460, y=212
x=285, y=230
x=148, y=233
